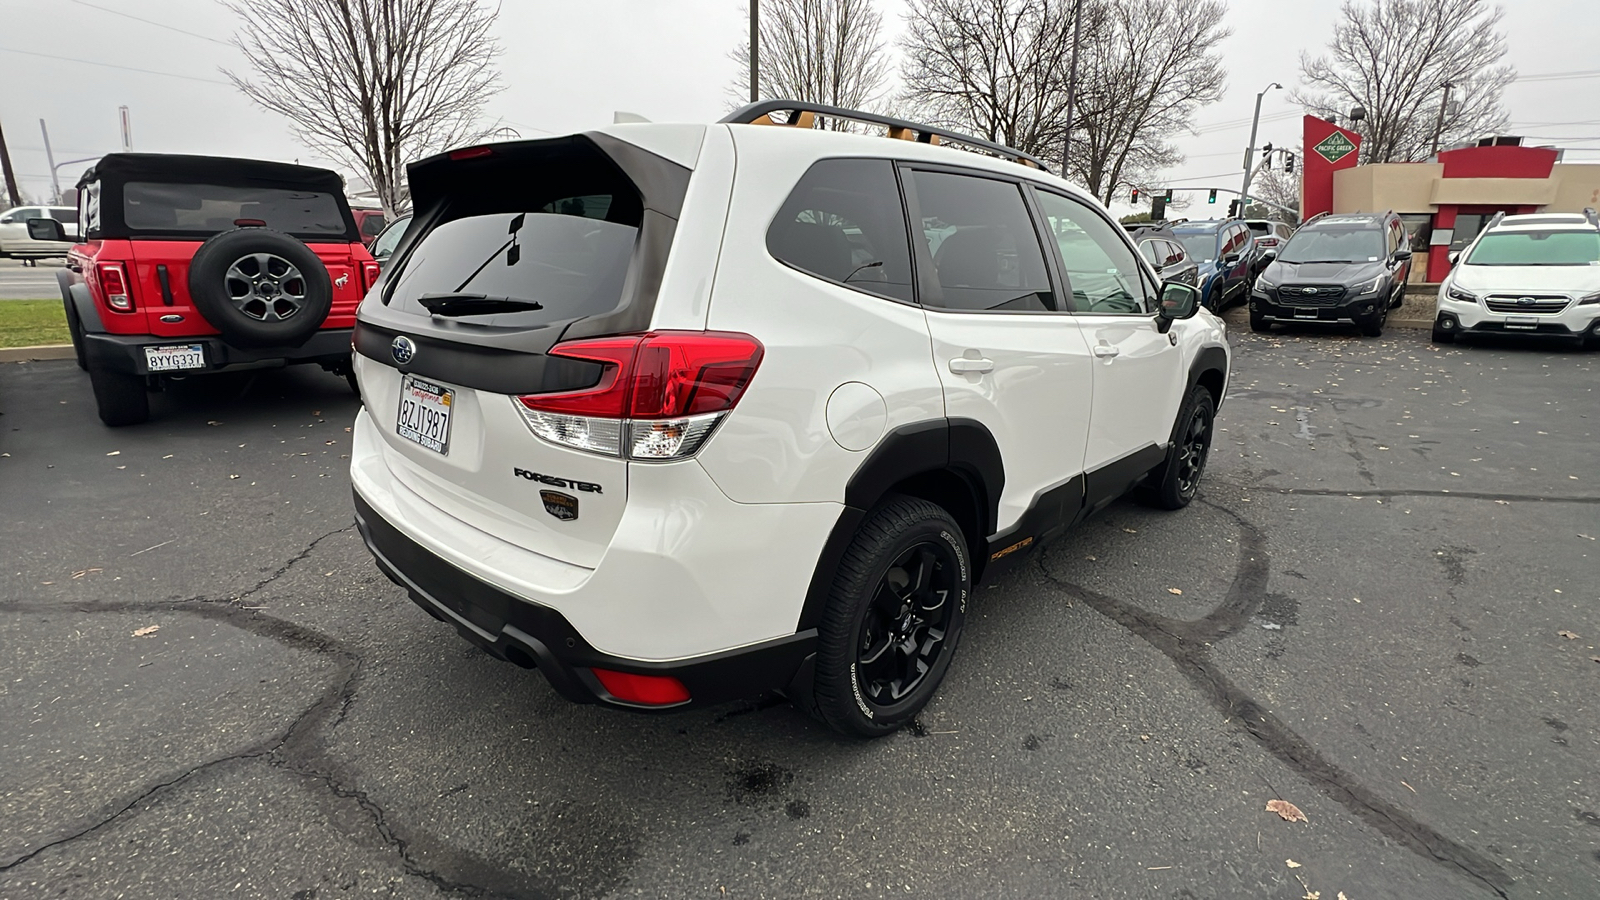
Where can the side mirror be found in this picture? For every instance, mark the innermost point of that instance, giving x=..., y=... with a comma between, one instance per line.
x=47, y=230
x=1455, y=257
x=1178, y=301
x=1231, y=259
x=1270, y=254
x=1400, y=256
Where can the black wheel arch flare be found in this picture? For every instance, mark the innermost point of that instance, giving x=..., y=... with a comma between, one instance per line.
x=959, y=449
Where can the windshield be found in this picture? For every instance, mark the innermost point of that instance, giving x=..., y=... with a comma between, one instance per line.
x=162, y=207
x=1344, y=245
x=565, y=257
x=1537, y=248
x=1201, y=247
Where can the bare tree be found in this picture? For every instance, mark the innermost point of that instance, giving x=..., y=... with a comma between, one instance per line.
x=996, y=68
x=1146, y=67
x=821, y=51
x=1394, y=57
x=371, y=83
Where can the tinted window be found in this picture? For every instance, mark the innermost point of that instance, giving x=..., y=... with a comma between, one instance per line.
x=1175, y=254
x=1154, y=252
x=1466, y=230
x=1349, y=245
x=1537, y=248
x=385, y=244
x=1102, y=273
x=63, y=214
x=571, y=264
x=160, y=207
x=844, y=222
x=372, y=225
x=985, y=251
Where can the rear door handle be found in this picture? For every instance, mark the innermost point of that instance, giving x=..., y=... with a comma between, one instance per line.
x=1106, y=351
x=963, y=365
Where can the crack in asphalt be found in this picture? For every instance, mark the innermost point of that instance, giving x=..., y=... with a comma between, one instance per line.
x=1386, y=493
x=1186, y=643
x=296, y=748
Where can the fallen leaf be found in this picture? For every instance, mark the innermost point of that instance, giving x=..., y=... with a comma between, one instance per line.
x=1342, y=896
x=316, y=412
x=1090, y=558
x=1586, y=537
x=1131, y=530
x=1174, y=591
x=1287, y=811
x=148, y=629
x=213, y=422
x=1567, y=634
x=168, y=456
x=1291, y=864
x=233, y=477
x=115, y=453
x=1595, y=658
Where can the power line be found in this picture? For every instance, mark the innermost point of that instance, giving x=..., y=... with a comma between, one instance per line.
x=90, y=62
x=1558, y=76
x=116, y=12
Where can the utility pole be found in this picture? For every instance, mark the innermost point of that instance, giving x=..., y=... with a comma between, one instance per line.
x=755, y=51
x=5, y=166
x=1250, y=151
x=1072, y=84
x=127, y=128
x=1438, y=128
x=55, y=184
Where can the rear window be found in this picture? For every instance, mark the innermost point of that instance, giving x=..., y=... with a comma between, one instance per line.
x=570, y=256
x=1537, y=248
x=161, y=207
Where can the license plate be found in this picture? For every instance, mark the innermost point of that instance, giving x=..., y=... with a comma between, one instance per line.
x=424, y=415
x=1306, y=314
x=1522, y=322
x=175, y=358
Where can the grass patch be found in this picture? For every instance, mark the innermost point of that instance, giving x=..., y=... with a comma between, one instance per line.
x=25, y=323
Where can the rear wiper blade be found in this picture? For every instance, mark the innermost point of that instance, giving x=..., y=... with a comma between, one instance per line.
x=474, y=304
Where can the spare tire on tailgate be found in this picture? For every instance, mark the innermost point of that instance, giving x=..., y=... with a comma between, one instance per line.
x=260, y=288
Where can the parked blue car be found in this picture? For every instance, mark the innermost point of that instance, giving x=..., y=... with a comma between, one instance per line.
x=1226, y=251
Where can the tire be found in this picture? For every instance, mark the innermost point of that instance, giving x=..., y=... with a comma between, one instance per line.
x=1177, y=481
x=1259, y=324
x=121, y=399
x=1443, y=337
x=1374, y=328
x=866, y=683
x=260, y=288
x=1400, y=298
x=75, y=329
x=350, y=379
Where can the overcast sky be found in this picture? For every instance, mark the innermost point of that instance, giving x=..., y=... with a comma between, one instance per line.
x=569, y=64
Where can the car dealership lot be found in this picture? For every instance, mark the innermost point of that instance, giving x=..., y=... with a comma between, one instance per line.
x=1392, y=542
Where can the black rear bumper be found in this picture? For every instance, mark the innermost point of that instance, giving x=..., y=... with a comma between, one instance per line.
x=125, y=352
x=528, y=634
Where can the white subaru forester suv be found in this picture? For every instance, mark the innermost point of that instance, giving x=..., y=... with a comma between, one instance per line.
x=681, y=414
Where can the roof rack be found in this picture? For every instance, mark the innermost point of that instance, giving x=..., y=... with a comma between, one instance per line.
x=802, y=114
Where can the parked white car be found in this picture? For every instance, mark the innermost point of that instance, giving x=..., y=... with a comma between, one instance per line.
x=14, y=239
x=1533, y=274
x=677, y=431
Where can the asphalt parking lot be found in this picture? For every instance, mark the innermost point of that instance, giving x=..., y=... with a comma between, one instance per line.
x=1383, y=609
x=20, y=282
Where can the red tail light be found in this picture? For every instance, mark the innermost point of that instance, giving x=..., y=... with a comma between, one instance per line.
x=659, y=396
x=471, y=153
x=369, y=275
x=114, y=285
x=650, y=690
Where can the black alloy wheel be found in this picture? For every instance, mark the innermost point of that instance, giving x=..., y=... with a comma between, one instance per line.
x=1374, y=326
x=893, y=618
x=266, y=287
x=1175, y=484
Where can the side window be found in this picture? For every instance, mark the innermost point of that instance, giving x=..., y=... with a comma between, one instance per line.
x=844, y=222
x=985, y=250
x=1103, y=276
x=1174, y=254
x=1154, y=252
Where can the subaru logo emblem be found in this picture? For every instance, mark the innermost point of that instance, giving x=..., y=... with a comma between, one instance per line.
x=403, y=350
x=1308, y=290
x=1525, y=301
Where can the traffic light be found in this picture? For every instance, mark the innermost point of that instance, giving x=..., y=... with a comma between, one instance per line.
x=1168, y=198
x=1288, y=162
x=1135, y=196
x=1267, y=150
x=1234, y=211
x=1213, y=197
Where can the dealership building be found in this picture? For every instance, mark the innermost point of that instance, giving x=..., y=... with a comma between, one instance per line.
x=1445, y=202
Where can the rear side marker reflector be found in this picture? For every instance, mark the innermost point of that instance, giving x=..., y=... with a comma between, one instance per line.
x=659, y=397
x=647, y=690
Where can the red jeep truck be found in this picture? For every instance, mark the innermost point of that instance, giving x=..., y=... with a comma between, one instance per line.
x=188, y=265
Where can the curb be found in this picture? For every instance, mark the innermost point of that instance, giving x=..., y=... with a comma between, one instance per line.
x=36, y=353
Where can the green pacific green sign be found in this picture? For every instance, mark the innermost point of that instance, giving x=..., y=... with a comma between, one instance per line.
x=1334, y=147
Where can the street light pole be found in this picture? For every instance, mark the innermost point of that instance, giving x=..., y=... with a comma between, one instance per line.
x=55, y=184
x=1072, y=84
x=5, y=168
x=755, y=51
x=1250, y=151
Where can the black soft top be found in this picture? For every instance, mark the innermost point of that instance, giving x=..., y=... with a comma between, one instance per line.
x=114, y=170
